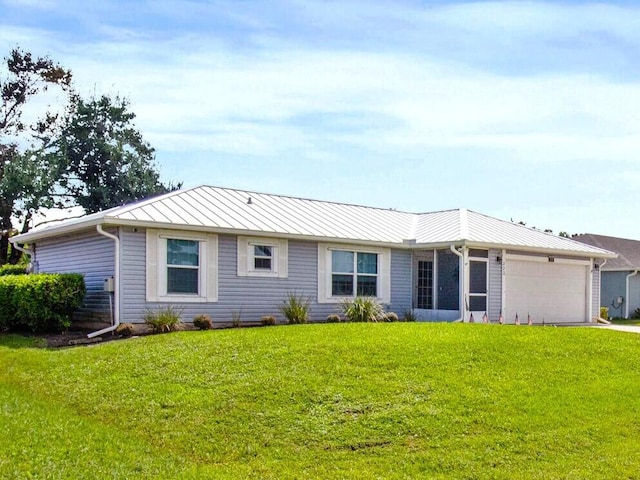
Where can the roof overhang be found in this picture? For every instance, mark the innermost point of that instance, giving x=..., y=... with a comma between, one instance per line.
x=80, y=225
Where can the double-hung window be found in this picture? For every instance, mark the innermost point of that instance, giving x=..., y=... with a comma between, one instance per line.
x=346, y=271
x=262, y=257
x=181, y=266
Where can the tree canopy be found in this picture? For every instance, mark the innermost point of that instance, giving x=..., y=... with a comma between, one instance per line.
x=22, y=78
x=84, y=152
x=106, y=161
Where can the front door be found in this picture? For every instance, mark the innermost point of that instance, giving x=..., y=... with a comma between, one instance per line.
x=424, y=284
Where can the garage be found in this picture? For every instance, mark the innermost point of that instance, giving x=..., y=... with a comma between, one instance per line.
x=549, y=289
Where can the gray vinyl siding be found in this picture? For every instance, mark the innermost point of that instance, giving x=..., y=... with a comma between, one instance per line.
x=495, y=285
x=133, y=275
x=249, y=297
x=614, y=284
x=634, y=294
x=90, y=254
x=401, y=281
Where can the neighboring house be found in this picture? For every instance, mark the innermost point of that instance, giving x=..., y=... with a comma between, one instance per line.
x=620, y=287
x=226, y=253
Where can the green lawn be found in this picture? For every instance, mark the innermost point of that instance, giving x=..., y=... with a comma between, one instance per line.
x=625, y=321
x=401, y=400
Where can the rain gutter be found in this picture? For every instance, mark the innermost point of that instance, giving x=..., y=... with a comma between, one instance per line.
x=116, y=279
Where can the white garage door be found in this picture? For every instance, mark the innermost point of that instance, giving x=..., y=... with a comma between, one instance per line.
x=557, y=292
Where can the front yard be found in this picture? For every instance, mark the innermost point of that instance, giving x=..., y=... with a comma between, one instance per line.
x=399, y=400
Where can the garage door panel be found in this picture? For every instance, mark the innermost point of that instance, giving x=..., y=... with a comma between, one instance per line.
x=555, y=292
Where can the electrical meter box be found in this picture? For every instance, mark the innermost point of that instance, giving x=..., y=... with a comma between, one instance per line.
x=109, y=284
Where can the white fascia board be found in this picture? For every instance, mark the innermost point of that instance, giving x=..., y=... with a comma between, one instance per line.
x=56, y=231
x=544, y=250
x=618, y=270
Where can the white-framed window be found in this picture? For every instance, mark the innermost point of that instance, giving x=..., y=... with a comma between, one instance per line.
x=262, y=257
x=347, y=271
x=181, y=266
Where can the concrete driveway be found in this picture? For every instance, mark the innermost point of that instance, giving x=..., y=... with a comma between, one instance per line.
x=622, y=328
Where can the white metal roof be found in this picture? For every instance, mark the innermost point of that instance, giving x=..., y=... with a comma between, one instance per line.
x=238, y=211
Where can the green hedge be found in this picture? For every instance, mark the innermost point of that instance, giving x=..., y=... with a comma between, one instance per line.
x=13, y=270
x=40, y=303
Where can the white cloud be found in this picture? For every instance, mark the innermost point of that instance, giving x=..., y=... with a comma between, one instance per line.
x=537, y=82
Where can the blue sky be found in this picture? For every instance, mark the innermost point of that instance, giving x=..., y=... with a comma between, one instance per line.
x=520, y=110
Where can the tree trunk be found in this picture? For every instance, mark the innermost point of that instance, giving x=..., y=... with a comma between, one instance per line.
x=5, y=230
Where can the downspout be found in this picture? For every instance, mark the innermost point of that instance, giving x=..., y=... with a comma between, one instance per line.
x=25, y=251
x=626, y=298
x=461, y=281
x=116, y=280
x=599, y=319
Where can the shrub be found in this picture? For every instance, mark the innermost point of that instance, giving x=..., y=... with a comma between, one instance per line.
x=390, y=317
x=13, y=270
x=295, y=308
x=202, y=322
x=362, y=309
x=409, y=316
x=167, y=319
x=124, y=329
x=268, y=320
x=334, y=318
x=604, y=313
x=40, y=303
x=636, y=314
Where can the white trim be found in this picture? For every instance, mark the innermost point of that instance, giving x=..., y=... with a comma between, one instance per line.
x=157, y=268
x=246, y=258
x=324, y=271
x=487, y=283
x=503, y=283
x=545, y=259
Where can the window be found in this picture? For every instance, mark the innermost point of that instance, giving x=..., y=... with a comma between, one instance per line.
x=262, y=257
x=181, y=266
x=345, y=271
x=354, y=274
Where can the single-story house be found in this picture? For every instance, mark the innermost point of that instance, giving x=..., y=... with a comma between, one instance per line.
x=620, y=285
x=232, y=253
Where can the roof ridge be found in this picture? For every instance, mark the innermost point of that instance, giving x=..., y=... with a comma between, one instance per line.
x=463, y=223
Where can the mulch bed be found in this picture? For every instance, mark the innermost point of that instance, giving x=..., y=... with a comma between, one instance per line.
x=72, y=339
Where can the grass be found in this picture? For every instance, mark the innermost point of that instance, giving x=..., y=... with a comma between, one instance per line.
x=389, y=400
x=625, y=321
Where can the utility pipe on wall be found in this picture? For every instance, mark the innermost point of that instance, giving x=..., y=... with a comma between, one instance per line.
x=23, y=250
x=626, y=298
x=116, y=281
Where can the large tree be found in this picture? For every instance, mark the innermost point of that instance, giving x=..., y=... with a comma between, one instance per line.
x=106, y=161
x=25, y=168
